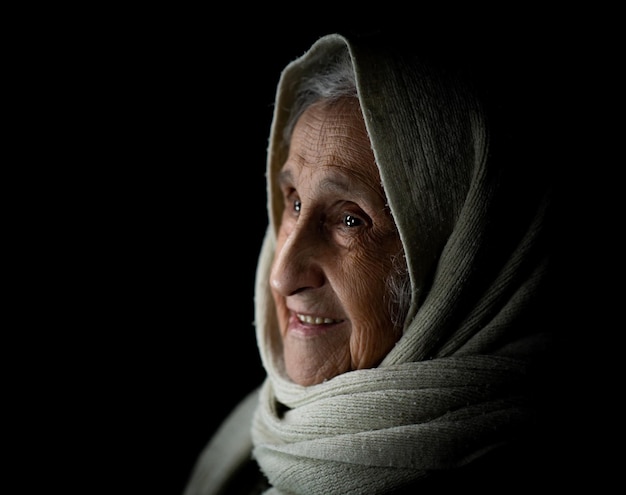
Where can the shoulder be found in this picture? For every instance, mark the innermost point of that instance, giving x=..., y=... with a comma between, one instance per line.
x=228, y=453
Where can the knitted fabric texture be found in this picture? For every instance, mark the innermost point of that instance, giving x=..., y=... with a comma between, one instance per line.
x=454, y=386
x=472, y=222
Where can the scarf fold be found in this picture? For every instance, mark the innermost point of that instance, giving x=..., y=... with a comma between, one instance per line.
x=458, y=383
x=366, y=429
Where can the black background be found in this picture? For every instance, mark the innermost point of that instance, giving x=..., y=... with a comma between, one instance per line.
x=186, y=195
x=155, y=132
x=161, y=122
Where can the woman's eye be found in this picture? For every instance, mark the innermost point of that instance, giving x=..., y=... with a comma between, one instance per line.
x=351, y=221
x=297, y=205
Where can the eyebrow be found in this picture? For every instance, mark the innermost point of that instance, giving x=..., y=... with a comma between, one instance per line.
x=338, y=183
x=336, y=180
x=284, y=177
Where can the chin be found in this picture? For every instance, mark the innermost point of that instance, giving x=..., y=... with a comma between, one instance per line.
x=306, y=375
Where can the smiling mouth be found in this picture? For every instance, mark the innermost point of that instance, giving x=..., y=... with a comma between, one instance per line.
x=316, y=320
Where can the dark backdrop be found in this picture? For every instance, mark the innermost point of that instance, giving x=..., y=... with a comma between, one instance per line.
x=172, y=211
x=161, y=217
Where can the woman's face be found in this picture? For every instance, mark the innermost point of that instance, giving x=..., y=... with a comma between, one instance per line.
x=335, y=248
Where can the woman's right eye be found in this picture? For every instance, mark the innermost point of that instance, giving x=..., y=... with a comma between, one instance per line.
x=297, y=205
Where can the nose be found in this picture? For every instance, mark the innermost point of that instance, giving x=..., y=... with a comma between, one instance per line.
x=297, y=261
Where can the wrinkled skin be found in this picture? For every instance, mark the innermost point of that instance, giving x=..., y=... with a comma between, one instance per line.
x=335, y=247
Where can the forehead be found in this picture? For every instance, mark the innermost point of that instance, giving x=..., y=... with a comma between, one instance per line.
x=332, y=135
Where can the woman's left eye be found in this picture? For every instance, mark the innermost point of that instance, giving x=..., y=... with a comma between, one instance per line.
x=297, y=205
x=351, y=221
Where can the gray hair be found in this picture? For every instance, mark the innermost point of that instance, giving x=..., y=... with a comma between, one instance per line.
x=335, y=81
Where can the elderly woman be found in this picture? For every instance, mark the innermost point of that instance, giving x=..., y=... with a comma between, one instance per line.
x=400, y=291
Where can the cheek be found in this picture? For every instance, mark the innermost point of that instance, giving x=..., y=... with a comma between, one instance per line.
x=364, y=290
x=365, y=296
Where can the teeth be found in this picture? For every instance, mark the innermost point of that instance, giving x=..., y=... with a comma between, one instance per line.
x=317, y=320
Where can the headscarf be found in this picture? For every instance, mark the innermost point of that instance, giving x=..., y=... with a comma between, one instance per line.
x=472, y=217
x=458, y=382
